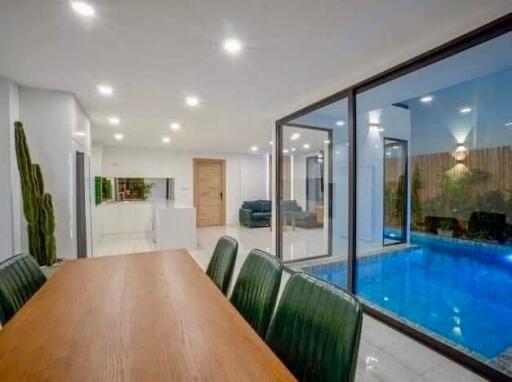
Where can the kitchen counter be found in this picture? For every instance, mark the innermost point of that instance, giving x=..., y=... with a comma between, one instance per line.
x=175, y=225
x=121, y=217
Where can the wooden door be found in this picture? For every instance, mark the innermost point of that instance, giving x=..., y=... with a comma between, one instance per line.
x=209, y=192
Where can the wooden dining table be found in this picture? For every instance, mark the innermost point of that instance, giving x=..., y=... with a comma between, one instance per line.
x=139, y=317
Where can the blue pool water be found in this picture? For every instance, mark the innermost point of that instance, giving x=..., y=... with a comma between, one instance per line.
x=460, y=291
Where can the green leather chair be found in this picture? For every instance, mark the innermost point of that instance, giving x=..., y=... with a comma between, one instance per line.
x=222, y=263
x=316, y=330
x=256, y=289
x=20, y=278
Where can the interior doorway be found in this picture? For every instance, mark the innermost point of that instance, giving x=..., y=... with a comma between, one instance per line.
x=209, y=192
x=81, y=205
x=395, y=191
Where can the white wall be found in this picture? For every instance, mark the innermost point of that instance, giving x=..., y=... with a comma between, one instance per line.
x=51, y=120
x=253, y=177
x=245, y=174
x=396, y=123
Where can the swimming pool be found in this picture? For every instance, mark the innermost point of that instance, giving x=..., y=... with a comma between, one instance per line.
x=459, y=291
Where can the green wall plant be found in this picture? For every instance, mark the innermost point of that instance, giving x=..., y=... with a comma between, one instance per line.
x=98, y=190
x=37, y=205
x=106, y=189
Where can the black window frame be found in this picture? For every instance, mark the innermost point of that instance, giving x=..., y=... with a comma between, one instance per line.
x=279, y=225
x=405, y=207
x=467, y=41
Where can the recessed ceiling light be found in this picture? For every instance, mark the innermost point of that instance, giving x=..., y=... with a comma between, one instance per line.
x=340, y=123
x=426, y=99
x=80, y=133
x=192, y=101
x=232, y=46
x=271, y=143
x=175, y=126
x=114, y=121
x=306, y=146
x=465, y=110
x=254, y=148
x=327, y=141
x=118, y=137
x=294, y=149
x=285, y=151
x=166, y=139
x=83, y=8
x=295, y=136
x=509, y=124
x=105, y=90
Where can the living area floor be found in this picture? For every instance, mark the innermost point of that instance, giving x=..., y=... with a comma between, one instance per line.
x=384, y=354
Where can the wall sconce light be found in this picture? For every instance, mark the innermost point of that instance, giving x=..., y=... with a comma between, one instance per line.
x=376, y=127
x=461, y=152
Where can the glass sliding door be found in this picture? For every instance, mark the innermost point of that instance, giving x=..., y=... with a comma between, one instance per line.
x=304, y=205
x=395, y=191
x=315, y=184
x=314, y=189
x=452, y=277
x=420, y=156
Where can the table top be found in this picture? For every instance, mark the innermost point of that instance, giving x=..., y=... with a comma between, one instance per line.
x=139, y=317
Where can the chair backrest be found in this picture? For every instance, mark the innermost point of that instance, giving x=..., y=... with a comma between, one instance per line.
x=256, y=289
x=20, y=278
x=316, y=330
x=222, y=263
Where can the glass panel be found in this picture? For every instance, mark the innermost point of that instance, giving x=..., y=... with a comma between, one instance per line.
x=395, y=191
x=304, y=205
x=453, y=276
x=314, y=168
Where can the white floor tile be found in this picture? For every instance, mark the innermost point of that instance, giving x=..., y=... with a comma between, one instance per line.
x=384, y=354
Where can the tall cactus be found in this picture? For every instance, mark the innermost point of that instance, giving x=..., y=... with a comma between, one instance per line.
x=37, y=206
x=48, y=229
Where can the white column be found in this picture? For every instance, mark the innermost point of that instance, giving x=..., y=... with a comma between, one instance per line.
x=10, y=212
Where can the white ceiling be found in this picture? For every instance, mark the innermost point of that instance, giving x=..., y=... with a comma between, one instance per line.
x=156, y=52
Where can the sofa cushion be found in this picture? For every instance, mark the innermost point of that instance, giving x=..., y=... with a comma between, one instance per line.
x=264, y=206
x=257, y=205
x=248, y=206
x=261, y=216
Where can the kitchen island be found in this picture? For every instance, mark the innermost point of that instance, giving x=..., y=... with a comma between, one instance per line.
x=174, y=225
